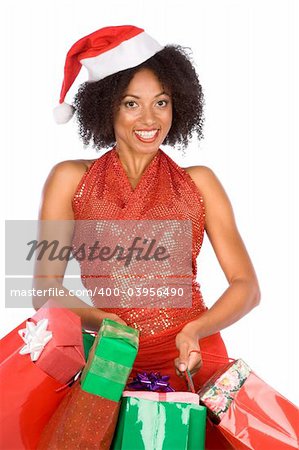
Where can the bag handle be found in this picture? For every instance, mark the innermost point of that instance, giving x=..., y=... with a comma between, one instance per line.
x=217, y=358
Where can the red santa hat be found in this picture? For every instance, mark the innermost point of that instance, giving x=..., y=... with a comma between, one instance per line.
x=103, y=53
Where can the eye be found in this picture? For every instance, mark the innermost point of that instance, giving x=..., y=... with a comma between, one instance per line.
x=131, y=104
x=162, y=103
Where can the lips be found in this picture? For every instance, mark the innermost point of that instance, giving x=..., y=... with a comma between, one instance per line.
x=146, y=135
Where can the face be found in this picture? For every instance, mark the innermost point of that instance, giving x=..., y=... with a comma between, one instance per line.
x=144, y=117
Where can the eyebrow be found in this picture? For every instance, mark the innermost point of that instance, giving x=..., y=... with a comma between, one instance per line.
x=138, y=98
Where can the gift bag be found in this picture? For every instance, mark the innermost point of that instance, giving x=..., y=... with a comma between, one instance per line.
x=32, y=382
x=157, y=417
x=87, y=417
x=161, y=425
x=249, y=413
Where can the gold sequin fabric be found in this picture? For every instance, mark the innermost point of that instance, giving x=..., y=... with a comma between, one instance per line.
x=164, y=192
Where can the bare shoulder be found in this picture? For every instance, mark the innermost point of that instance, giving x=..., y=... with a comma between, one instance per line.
x=204, y=178
x=216, y=200
x=68, y=173
x=60, y=188
x=74, y=167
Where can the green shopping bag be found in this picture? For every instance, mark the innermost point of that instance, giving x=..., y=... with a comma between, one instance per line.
x=154, y=425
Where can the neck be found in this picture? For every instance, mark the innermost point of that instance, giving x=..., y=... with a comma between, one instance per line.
x=134, y=164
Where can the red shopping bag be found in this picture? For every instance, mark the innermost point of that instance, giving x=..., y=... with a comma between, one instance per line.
x=28, y=394
x=248, y=412
x=260, y=418
x=28, y=398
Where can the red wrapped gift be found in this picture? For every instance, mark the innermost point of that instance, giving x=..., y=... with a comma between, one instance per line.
x=87, y=417
x=29, y=395
x=82, y=420
x=65, y=352
x=250, y=414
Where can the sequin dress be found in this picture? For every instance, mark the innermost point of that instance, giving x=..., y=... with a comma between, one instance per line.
x=164, y=192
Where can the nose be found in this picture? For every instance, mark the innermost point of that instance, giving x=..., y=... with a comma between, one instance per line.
x=148, y=116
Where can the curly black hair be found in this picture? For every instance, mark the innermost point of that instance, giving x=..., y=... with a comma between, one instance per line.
x=96, y=102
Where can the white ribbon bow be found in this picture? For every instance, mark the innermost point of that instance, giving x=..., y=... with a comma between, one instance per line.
x=35, y=338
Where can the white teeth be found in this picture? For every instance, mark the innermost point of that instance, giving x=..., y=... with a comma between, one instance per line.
x=146, y=134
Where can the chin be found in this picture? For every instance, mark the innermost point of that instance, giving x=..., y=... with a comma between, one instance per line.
x=146, y=148
x=149, y=150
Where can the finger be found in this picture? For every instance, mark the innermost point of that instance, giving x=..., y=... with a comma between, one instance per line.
x=183, y=357
x=116, y=318
x=195, y=361
x=176, y=364
x=194, y=358
x=177, y=371
x=195, y=350
x=195, y=369
x=122, y=322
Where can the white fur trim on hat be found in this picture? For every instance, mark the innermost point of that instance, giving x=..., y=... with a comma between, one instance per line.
x=63, y=113
x=129, y=53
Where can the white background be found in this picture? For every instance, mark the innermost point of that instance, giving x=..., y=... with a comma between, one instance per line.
x=246, y=54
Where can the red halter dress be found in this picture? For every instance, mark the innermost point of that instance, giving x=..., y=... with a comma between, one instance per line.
x=164, y=192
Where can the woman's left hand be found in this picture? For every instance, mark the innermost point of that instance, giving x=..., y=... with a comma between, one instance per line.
x=189, y=350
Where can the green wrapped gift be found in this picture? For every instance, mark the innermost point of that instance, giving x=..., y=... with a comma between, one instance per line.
x=110, y=360
x=147, y=425
x=88, y=340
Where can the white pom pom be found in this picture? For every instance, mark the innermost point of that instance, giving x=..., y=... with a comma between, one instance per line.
x=63, y=113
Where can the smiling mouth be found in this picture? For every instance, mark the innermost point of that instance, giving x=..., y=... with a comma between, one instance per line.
x=146, y=136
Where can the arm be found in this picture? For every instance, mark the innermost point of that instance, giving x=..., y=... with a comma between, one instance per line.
x=56, y=205
x=243, y=292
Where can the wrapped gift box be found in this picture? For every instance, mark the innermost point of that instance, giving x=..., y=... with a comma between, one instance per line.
x=218, y=393
x=88, y=340
x=82, y=420
x=110, y=360
x=65, y=353
x=87, y=417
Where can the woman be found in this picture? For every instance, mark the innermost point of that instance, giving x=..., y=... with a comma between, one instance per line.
x=134, y=108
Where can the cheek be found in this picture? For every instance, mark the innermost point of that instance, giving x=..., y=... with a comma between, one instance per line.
x=125, y=119
x=122, y=123
x=168, y=119
x=168, y=113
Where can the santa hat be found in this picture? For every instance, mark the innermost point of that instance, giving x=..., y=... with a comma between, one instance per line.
x=103, y=53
